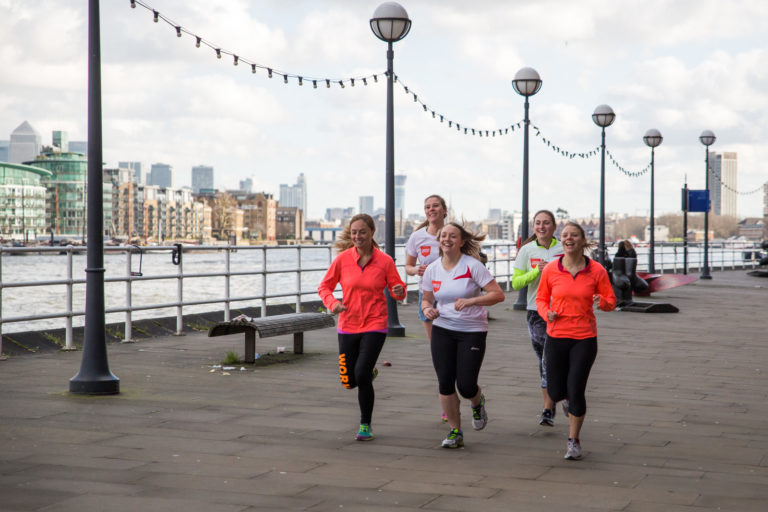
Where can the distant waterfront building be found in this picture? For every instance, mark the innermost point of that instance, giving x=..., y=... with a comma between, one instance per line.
x=246, y=185
x=161, y=175
x=78, y=146
x=400, y=196
x=723, y=183
x=202, y=178
x=260, y=216
x=137, y=169
x=295, y=195
x=289, y=223
x=66, y=194
x=25, y=144
x=4, y=150
x=60, y=140
x=339, y=214
x=494, y=214
x=22, y=201
x=366, y=205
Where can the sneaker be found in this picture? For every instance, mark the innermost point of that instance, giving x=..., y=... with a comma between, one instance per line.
x=455, y=439
x=565, y=404
x=374, y=374
x=479, y=416
x=574, y=450
x=365, y=433
x=547, y=418
x=444, y=418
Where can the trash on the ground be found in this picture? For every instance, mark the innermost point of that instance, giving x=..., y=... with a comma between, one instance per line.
x=225, y=373
x=280, y=350
x=228, y=368
x=242, y=368
x=216, y=366
x=213, y=370
x=386, y=363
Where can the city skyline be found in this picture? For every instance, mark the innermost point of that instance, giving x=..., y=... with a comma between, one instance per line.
x=167, y=101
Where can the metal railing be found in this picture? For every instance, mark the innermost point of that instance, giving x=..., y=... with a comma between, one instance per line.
x=669, y=258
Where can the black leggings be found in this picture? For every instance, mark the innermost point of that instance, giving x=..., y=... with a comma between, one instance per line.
x=568, y=363
x=457, y=357
x=358, y=353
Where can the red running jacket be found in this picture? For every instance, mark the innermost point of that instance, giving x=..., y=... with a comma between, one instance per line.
x=362, y=289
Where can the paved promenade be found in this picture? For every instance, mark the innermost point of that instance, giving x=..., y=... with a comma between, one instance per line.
x=677, y=421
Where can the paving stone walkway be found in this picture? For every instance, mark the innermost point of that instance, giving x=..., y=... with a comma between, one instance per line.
x=677, y=421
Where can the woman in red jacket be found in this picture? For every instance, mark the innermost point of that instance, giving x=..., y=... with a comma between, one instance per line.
x=570, y=288
x=363, y=272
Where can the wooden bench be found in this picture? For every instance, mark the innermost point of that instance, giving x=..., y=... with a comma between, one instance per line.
x=276, y=325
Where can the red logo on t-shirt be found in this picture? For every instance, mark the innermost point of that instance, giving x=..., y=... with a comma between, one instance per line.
x=426, y=250
x=436, y=285
x=465, y=275
x=535, y=262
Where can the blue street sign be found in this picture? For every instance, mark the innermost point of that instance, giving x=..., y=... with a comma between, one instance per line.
x=698, y=200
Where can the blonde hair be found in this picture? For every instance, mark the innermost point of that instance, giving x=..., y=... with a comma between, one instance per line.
x=344, y=241
x=442, y=203
x=471, y=240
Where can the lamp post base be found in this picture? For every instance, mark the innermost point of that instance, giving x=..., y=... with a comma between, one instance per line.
x=522, y=300
x=705, y=276
x=398, y=331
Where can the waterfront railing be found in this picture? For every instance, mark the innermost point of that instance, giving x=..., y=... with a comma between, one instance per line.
x=143, y=282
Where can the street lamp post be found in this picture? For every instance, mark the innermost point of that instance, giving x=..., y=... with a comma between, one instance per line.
x=527, y=82
x=707, y=138
x=652, y=138
x=603, y=116
x=390, y=23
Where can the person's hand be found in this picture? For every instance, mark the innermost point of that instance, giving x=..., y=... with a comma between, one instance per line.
x=422, y=268
x=398, y=289
x=595, y=301
x=338, y=308
x=551, y=315
x=430, y=312
x=461, y=304
x=541, y=265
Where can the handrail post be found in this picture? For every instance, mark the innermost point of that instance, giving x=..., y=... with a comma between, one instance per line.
x=180, y=292
x=298, y=279
x=68, y=330
x=263, y=281
x=128, y=285
x=2, y=357
x=226, y=284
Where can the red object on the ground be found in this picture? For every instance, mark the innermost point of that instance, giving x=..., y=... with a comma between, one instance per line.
x=659, y=282
x=386, y=363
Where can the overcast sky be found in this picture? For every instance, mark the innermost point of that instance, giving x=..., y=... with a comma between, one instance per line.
x=681, y=66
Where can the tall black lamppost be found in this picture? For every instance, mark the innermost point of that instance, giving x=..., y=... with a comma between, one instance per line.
x=707, y=138
x=652, y=138
x=94, y=377
x=390, y=23
x=602, y=116
x=526, y=83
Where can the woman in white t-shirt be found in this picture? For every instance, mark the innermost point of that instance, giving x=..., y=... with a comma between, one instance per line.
x=459, y=323
x=423, y=248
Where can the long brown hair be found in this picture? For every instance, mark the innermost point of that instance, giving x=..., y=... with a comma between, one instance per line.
x=442, y=203
x=471, y=240
x=533, y=236
x=344, y=241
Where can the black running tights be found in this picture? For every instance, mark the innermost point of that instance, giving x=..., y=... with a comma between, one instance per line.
x=457, y=357
x=568, y=362
x=358, y=353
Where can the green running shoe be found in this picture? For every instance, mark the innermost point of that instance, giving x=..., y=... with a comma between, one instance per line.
x=455, y=439
x=365, y=433
x=479, y=416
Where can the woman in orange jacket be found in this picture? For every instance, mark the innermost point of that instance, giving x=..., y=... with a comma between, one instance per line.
x=570, y=288
x=363, y=272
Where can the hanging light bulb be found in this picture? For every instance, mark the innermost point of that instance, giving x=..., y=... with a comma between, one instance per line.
x=178, y=31
x=301, y=80
x=156, y=15
x=327, y=84
x=218, y=53
x=235, y=60
x=133, y=4
x=365, y=82
x=375, y=79
x=314, y=84
x=285, y=79
x=197, y=41
x=269, y=72
x=253, y=68
x=352, y=82
x=341, y=83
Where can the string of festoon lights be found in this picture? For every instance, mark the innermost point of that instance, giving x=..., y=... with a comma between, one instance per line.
x=237, y=59
x=300, y=79
x=631, y=174
x=731, y=189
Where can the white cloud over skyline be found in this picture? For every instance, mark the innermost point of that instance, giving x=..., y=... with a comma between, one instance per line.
x=678, y=66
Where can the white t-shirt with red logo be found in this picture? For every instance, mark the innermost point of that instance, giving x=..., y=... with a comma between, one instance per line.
x=463, y=281
x=423, y=246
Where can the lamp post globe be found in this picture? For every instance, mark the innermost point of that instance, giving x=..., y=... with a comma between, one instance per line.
x=603, y=116
x=390, y=23
x=707, y=138
x=652, y=139
x=526, y=83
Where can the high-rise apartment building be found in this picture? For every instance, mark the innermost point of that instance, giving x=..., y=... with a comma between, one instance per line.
x=246, y=185
x=295, y=195
x=400, y=196
x=723, y=183
x=366, y=204
x=4, y=150
x=161, y=175
x=25, y=144
x=137, y=169
x=202, y=179
x=78, y=146
x=61, y=140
